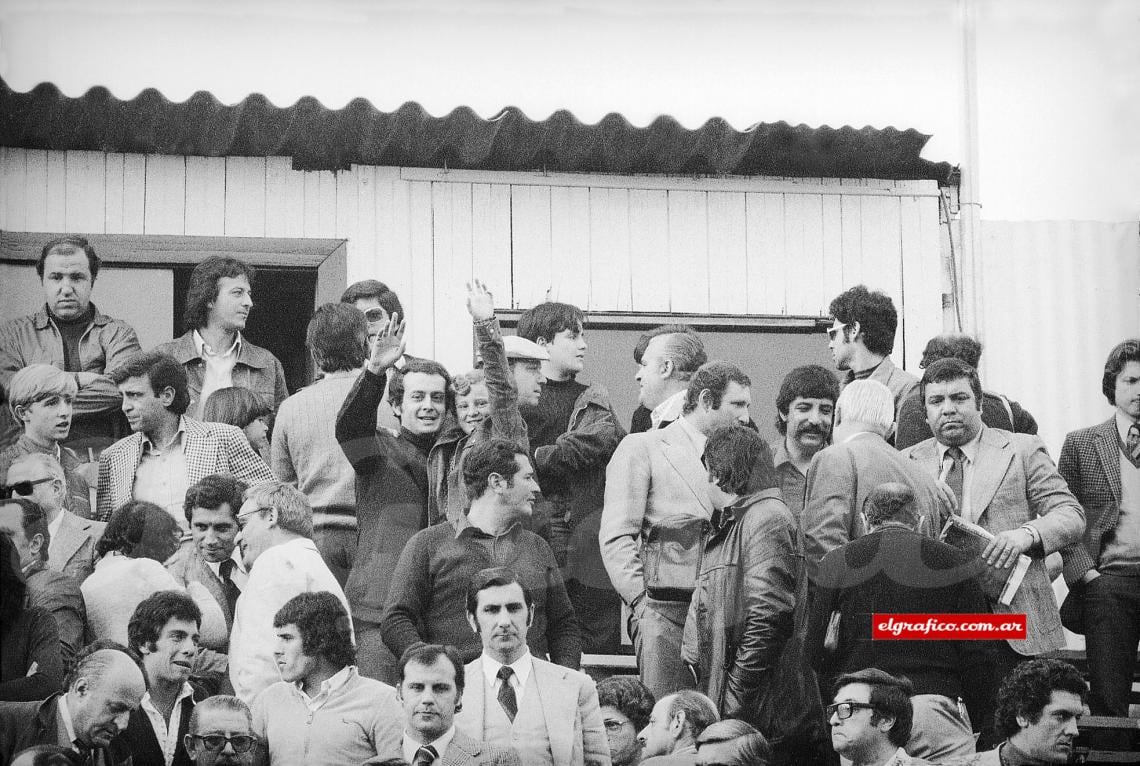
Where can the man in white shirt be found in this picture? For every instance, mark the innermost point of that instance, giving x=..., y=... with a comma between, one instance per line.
x=548, y=713
x=164, y=630
x=667, y=356
x=276, y=535
x=431, y=682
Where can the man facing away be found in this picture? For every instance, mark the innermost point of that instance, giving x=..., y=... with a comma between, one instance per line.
x=431, y=683
x=670, y=737
x=805, y=414
x=70, y=333
x=169, y=450
x=657, y=500
x=213, y=350
x=550, y=714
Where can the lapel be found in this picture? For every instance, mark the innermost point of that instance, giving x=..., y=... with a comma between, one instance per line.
x=206, y=576
x=678, y=452
x=474, y=704
x=926, y=455
x=1105, y=440
x=995, y=453
x=558, y=697
x=201, y=448
x=71, y=536
x=463, y=751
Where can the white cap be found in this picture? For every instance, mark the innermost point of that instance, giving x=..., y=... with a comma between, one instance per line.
x=521, y=348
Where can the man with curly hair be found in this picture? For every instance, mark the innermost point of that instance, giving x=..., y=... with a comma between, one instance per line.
x=626, y=704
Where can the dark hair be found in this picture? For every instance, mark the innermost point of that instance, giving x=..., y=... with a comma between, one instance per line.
x=33, y=520
x=699, y=710
x=494, y=577
x=214, y=491
x=428, y=655
x=154, y=611
x=426, y=367
x=1121, y=354
x=890, y=698
x=371, y=288
x=875, y=314
x=13, y=588
x=890, y=501
x=750, y=748
x=548, y=319
x=1028, y=688
x=88, y=666
x=235, y=406
x=952, y=345
x=204, y=287
x=628, y=695
x=161, y=371
x=138, y=529
x=808, y=382
x=67, y=245
x=714, y=376
x=323, y=623
x=491, y=456
x=338, y=337
x=740, y=460
x=48, y=755
x=947, y=370
x=685, y=349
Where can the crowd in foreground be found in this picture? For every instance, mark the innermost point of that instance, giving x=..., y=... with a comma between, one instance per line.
x=398, y=564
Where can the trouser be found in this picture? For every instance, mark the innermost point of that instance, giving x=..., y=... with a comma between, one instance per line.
x=337, y=546
x=939, y=732
x=596, y=604
x=1112, y=631
x=373, y=658
x=657, y=628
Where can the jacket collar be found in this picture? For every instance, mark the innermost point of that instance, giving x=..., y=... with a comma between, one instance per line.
x=185, y=350
x=42, y=318
x=734, y=512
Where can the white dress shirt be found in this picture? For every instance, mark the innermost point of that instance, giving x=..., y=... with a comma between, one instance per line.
x=522, y=667
x=219, y=372
x=238, y=575
x=411, y=746
x=166, y=733
x=669, y=410
x=162, y=476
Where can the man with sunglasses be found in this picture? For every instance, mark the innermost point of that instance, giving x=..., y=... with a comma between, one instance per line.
x=221, y=733
x=871, y=718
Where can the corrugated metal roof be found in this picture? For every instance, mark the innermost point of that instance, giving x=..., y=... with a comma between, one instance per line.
x=318, y=138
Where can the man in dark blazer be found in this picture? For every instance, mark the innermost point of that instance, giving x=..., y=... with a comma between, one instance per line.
x=1101, y=464
x=104, y=688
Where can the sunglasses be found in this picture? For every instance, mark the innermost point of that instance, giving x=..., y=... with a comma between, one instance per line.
x=844, y=710
x=21, y=488
x=215, y=742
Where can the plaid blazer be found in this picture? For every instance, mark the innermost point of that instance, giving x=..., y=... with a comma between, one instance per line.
x=1090, y=463
x=209, y=447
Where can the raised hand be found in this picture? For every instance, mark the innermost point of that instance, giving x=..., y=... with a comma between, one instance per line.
x=387, y=346
x=480, y=302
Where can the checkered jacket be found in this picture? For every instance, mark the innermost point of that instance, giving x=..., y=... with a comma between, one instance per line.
x=209, y=447
x=1090, y=463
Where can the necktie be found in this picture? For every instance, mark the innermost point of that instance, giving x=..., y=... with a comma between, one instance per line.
x=229, y=587
x=956, y=474
x=425, y=756
x=507, y=697
x=1134, y=443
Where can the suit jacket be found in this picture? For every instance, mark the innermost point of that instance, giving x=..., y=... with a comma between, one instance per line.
x=569, y=701
x=839, y=480
x=74, y=545
x=143, y=742
x=1014, y=482
x=187, y=566
x=25, y=724
x=652, y=476
x=1090, y=465
x=465, y=751
x=209, y=447
x=59, y=594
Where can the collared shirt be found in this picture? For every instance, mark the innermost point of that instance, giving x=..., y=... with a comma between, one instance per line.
x=669, y=410
x=411, y=746
x=328, y=686
x=53, y=536
x=1123, y=423
x=695, y=436
x=970, y=451
x=522, y=667
x=162, y=477
x=793, y=484
x=238, y=575
x=64, y=721
x=166, y=733
x=219, y=371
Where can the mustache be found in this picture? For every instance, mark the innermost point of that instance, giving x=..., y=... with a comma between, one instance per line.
x=811, y=428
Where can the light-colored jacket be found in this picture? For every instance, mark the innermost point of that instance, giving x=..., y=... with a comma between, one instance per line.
x=256, y=369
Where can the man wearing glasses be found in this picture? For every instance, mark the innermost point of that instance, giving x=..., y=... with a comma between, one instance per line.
x=871, y=718
x=221, y=733
x=626, y=705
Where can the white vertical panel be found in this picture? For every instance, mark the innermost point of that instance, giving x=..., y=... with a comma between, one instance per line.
x=113, y=193
x=421, y=311
x=530, y=222
x=165, y=202
x=320, y=203
x=491, y=238
x=86, y=192
x=728, y=253
x=570, y=244
x=284, y=198
x=648, y=249
x=688, y=251
x=134, y=194
x=851, y=214
x=832, y=245
x=245, y=196
x=804, y=263
x=362, y=247
x=347, y=205
x=206, y=196
x=766, y=252
x=920, y=312
x=35, y=185
x=452, y=232
x=393, y=262
x=14, y=177
x=55, y=212
x=881, y=254
x=610, y=266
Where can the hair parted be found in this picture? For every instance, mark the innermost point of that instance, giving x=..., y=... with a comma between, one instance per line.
x=324, y=625
x=371, y=288
x=294, y=514
x=33, y=520
x=740, y=460
x=154, y=611
x=1028, y=688
x=548, y=319
x=682, y=346
x=1121, y=354
x=38, y=383
x=890, y=696
x=427, y=655
x=337, y=336
x=73, y=243
x=875, y=314
x=161, y=371
x=426, y=367
x=214, y=491
x=494, y=456
x=494, y=577
x=714, y=377
x=952, y=346
x=947, y=370
x=808, y=382
x=203, y=288
x=630, y=696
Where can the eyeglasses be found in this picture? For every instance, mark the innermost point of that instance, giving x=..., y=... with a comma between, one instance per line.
x=21, y=487
x=242, y=518
x=832, y=332
x=241, y=743
x=612, y=724
x=844, y=709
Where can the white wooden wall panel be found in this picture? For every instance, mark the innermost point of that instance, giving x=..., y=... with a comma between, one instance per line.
x=245, y=197
x=922, y=319
x=36, y=190
x=362, y=246
x=491, y=238
x=728, y=253
x=530, y=226
x=419, y=301
x=85, y=194
x=570, y=244
x=648, y=244
x=206, y=196
x=164, y=210
x=14, y=183
x=688, y=252
x=134, y=194
x=610, y=266
x=452, y=243
x=831, y=249
x=765, y=240
x=55, y=212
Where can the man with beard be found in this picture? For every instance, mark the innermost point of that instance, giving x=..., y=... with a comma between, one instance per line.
x=805, y=411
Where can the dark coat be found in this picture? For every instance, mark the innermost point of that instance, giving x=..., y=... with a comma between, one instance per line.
x=31, y=665
x=59, y=595
x=143, y=742
x=26, y=724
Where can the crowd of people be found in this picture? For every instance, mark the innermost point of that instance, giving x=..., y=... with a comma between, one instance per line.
x=402, y=564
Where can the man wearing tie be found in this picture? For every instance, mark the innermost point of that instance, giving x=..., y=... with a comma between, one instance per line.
x=548, y=713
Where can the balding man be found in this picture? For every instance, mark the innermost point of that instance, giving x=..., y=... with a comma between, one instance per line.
x=106, y=685
x=221, y=733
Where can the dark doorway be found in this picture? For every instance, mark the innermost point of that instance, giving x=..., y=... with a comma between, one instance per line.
x=283, y=302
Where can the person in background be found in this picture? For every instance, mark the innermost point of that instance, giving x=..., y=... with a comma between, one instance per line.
x=871, y=718
x=472, y=401
x=47, y=755
x=670, y=737
x=221, y=733
x=732, y=743
x=378, y=302
x=31, y=666
x=805, y=414
x=626, y=704
x=69, y=333
x=213, y=350
x=666, y=357
x=241, y=408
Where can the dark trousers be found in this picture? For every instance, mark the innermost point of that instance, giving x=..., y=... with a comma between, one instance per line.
x=1112, y=631
x=596, y=604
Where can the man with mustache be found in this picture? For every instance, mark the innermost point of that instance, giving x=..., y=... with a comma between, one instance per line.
x=164, y=630
x=805, y=411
